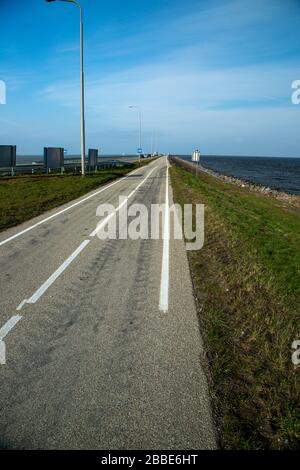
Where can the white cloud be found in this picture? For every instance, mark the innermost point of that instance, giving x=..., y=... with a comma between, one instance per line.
x=67, y=48
x=205, y=75
x=224, y=109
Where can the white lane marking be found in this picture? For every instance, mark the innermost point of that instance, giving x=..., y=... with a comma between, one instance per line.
x=140, y=184
x=35, y=297
x=105, y=221
x=21, y=305
x=66, y=209
x=164, y=281
x=9, y=325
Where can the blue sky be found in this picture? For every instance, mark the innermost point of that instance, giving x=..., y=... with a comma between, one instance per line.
x=211, y=74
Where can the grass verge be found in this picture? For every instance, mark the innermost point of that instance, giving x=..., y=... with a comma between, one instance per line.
x=247, y=283
x=24, y=197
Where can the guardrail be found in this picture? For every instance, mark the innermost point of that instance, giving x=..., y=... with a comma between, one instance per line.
x=70, y=166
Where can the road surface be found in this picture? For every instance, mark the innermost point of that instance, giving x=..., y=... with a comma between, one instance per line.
x=103, y=349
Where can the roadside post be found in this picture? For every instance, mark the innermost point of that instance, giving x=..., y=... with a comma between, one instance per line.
x=196, y=159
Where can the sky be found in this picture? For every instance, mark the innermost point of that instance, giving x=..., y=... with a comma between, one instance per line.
x=209, y=74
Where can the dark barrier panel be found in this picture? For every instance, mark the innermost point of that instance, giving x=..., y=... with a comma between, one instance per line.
x=8, y=156
x=53, y=157
x=93, y=157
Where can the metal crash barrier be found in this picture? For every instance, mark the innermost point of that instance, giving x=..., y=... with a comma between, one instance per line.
x=54, y=161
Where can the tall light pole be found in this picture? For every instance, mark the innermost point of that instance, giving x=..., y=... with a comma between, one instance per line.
x=82, y=120
x=140, y=128
x=153, y=142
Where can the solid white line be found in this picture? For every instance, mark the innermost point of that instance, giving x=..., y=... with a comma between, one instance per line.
x=65, y=210
x=9, y=326
x=105, y=221
x=164, y=282
x=35, y=297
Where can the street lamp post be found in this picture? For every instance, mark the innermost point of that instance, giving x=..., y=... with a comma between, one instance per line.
x=140, y=128
x=82, y=120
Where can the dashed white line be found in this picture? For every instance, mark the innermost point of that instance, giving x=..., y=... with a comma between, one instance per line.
x=142, y=182
x=107, y=219
x=9, y=325
x=21, y=305
x=164, y=282
x=65, y=210
x=35, y=297
x=112, y=214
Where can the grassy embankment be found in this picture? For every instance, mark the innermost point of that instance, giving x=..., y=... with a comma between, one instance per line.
x=24, y=197
x=247, y=284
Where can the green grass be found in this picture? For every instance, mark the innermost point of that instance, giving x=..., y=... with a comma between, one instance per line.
x=247, y=284
x=24, y=197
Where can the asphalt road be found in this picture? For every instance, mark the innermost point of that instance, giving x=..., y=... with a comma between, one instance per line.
x=93, y=358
